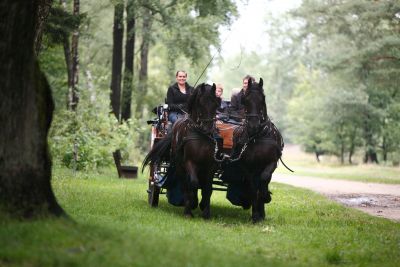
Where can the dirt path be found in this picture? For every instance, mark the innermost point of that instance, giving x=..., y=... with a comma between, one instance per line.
x=380, y=200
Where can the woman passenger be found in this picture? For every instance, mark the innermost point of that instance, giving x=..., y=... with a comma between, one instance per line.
x=177, y=96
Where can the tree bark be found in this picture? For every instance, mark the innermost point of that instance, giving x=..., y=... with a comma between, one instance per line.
x=73, y=88
x=26, y=109
x=116, y=72
x=90, y=87
x=68, y=64
x=129, y=61
x=41, y=18
x=144, y=54
x=68, y=60
x=352, y=147
x=370, y=153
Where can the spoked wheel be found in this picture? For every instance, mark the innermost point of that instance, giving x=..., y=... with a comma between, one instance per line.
x=154, y=190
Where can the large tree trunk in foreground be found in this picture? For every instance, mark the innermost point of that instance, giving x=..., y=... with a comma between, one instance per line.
x=116, y=71
x=26, y=109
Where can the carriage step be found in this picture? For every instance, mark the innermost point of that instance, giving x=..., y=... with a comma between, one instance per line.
x=219, y=183
x=161, y=192
x=219, y=189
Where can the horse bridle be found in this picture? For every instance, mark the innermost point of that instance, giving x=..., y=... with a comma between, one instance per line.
x=200, y=121
x=260, y=117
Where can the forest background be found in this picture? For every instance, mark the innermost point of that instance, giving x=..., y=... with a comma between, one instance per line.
x=331, y=73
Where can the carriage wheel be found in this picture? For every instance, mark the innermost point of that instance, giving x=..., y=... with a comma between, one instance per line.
x=153, y=191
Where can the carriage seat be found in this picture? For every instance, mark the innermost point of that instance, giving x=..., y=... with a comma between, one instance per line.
x=226, y=132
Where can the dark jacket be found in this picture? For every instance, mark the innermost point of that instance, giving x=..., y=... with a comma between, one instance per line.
x=175, y=99
x=237, y=107
x=223, y=106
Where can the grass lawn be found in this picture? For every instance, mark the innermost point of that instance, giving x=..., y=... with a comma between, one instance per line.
x=112, y=225
x=306, y=165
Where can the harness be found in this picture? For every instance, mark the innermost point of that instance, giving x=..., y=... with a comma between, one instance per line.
x=195, y=131
x=267, y=133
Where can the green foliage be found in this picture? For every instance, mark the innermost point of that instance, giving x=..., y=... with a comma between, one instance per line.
x=52, y=63
x=191, y=29
x=355, y=47
x=114, y=226
x=93, y=134
x=61, y=24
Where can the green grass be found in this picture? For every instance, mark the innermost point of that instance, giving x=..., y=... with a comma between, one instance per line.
x=306, y=165
x=114, y=226
x=361, y=173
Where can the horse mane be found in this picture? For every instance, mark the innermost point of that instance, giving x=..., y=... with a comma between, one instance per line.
x=192, y=98
x=200, y=89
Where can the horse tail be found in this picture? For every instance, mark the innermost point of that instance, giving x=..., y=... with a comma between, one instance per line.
x=285, y=165
x=159, y=152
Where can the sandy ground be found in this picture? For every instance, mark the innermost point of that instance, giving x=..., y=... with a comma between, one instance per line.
x=380, y=200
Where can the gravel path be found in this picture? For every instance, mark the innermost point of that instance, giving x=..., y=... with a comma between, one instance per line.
x=380, y=200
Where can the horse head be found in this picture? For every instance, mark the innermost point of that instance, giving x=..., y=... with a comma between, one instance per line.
x=255, y=107
x=202, y=107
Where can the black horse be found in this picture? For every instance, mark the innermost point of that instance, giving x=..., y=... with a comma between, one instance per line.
x=257, y=147
x=190, y=146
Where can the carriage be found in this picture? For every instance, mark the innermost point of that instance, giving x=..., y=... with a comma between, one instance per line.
x=240, y=159
x=159, y=129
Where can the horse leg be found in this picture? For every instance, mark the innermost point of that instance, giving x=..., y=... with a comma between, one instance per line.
x=187, y=198
x=188, y=194
x=251, y=195
x=261, y=202
x=193, y=184
x=264, y=195
x=206, y=196
x=265, y=179
x=260, y=206
x=256, y=214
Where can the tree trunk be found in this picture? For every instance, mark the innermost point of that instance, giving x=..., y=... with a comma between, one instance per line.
x=68, y=64
x=26, y=109
x=129, y=60
x=90, y=87
x=370, y=153
x=342, y=153
x=68, y=61
x=144, y=54
x=317, y=156
x=118, y=32
x=41, y=18
x=352, y=147
x=384, y=149
x=370, y=156
x=73, y=89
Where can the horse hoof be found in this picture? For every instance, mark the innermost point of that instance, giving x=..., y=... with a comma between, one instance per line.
x=246, y=206
x=189, y=216
x=268, y=198
x=206, y=217
x=257, y=219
